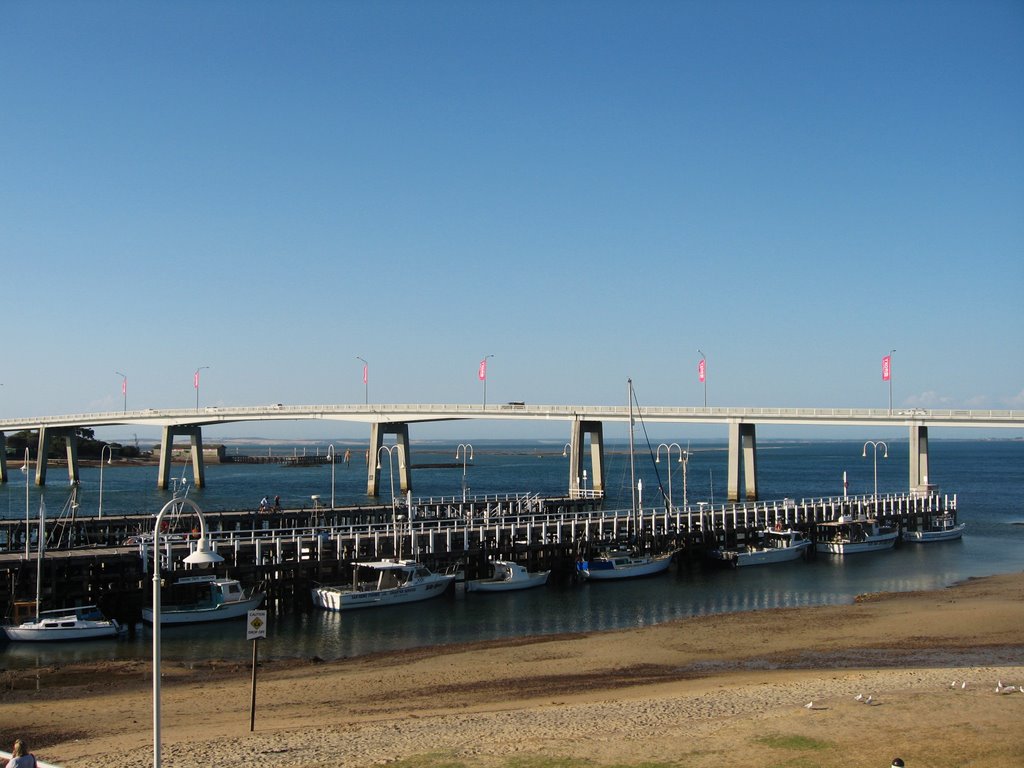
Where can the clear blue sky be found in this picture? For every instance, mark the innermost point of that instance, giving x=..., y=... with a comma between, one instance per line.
x=589, y=191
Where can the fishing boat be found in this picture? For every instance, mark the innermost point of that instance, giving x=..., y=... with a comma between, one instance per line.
x=214, y=599
x=84, y=622
x=386, y=582
x=847, y=536
x=507, y=577
x=942, y=527
x=772, y=546
x=625, y=563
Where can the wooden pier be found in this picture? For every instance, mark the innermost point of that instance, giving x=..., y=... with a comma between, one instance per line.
x=108, y=561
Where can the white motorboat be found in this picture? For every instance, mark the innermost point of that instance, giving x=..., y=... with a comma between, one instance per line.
x=386, y=582
x=773, y=546
x=508, y=576
x=942, y=527
x=215, y=600
x=848, y=536
x=622, y=564
x=85, y=622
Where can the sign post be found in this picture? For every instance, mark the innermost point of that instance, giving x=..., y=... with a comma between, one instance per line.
x=255, y=628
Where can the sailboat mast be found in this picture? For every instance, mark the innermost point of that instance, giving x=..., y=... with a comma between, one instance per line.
x=632, y=467
x=41, y=552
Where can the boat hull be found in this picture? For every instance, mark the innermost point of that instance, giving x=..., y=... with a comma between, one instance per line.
x=170, y=615
x=338, y=599
x=764, y=556
x=635, y=570
x=29, y=633
x=878, y=543
x=495, y=585
x=923, y=537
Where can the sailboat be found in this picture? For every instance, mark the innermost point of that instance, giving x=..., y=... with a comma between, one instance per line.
x=85, y=622
x=621, y=563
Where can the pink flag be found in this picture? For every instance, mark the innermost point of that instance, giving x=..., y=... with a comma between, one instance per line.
x=366, y=373
x=124, y=386
x=195, y=382
x=701, y=368
x=482, y=373
x=886, y=367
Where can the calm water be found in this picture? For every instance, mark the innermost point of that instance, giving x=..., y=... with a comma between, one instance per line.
x=987, y=476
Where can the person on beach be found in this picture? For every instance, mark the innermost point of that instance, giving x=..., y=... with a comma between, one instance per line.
x=20, y=756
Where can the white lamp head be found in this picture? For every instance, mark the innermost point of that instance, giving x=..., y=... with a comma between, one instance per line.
x=203, y=554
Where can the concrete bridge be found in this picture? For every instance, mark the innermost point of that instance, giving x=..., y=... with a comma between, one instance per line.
x=586, y=431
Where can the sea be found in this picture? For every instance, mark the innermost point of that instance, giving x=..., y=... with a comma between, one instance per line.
x=986, y=476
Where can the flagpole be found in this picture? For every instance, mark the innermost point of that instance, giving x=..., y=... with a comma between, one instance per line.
x=890, y=380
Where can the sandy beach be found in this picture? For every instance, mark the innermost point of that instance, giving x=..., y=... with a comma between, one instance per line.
x=767, y=688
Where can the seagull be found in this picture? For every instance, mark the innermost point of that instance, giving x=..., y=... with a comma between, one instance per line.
x=953, y=684
x=868, y=700
x=859, y=697
x=963, y=685
x=809, y=705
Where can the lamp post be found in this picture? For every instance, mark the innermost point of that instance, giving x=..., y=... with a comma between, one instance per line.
x=885, y=455
x=330, y=456
x=366, y=381
x=202, y=556
x=195, y=382
x=467, y=451
x=124, y=390
x=668, y=455
x=702, y=374
x=482, y=375
x=28, y=518
x=391, y=450
x=110, y=460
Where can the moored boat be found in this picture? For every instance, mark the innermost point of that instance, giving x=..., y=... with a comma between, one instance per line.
x=507, y=577
x=85, y=622
x=847, y=536
x=943, y=527
x=216, y=600
x=772, y=546
x=623, y=564
x=386, y=582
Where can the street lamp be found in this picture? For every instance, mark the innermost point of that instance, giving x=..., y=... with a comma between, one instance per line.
x=124, y=389
x=110, y=460
x=702, y=374
x=885, y=455
x=28, y=518
x=391, y=450
x=465, y=448
x=366, y=380
x=202, y=556
x=482, y=375
x=668, y=455
x=195, y=382
x=330, y=455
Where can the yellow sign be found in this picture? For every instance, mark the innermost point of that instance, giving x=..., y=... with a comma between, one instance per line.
x=256, y=627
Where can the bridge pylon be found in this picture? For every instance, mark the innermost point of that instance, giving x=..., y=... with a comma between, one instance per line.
x=373, y=460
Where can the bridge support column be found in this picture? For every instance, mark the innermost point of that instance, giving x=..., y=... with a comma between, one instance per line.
x=918, y=458
x=167, y=451
x=377, y=433
x=742, y=438
x=46, y=435
x=3, y=458
x=577, y=438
